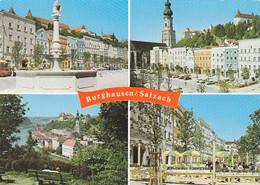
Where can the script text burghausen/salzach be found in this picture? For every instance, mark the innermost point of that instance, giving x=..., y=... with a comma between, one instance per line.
x=141, y=94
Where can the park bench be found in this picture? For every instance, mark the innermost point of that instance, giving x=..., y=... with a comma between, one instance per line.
x=2, y=172
x=50, y=177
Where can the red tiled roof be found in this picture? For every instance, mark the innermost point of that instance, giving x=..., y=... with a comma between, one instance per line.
x=70, y=142
x=46, y=21
x=59, y=138
x=249, y=16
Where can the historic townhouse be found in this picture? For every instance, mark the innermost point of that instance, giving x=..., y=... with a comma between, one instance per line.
x=159, y=55
x=177, y=56
x=202, y=59
x=190, y=59
x=16, y=28
x=217, y=59
x=249, y=55
x=140, y=146
x=231, y=59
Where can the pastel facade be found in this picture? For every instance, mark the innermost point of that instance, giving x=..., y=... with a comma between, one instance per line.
x=16, y=28
x=190, y=60
x=202, y=59
x=70, y=148
x=249, y=55
x=231, y=59
x=218, y=59
x=177, y=56
x=159, y=55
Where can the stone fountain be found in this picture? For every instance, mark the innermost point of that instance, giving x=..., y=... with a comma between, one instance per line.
x=56, y=80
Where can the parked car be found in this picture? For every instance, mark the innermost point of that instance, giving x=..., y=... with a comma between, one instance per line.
x=210, y=82
x=181, y=76
x=202, y=81
x=187, y=77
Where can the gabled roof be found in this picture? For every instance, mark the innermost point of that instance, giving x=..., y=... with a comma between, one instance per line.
x=12, y=11
x=59, y=138
x=79, y=28
x=248, y=16
x=71, y=142
x=141, y=45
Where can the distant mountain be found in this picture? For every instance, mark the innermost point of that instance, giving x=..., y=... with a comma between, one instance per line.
x=36, y=121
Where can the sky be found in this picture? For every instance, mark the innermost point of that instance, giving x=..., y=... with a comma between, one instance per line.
x=147, y=15
x=53, y=105
x=227, y=115
x=98, y=15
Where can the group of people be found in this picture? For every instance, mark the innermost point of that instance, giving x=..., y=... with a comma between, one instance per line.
x=236, y=167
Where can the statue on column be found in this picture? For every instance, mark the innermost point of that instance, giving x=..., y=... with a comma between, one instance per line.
x=57, y=8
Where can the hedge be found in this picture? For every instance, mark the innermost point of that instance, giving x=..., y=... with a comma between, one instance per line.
x=23, y=165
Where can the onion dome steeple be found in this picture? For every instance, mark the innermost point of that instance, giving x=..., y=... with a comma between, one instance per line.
x=167, y=11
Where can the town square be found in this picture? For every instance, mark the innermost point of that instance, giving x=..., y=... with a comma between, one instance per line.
x=41, y=54
x=208, y=139
x=222, y=57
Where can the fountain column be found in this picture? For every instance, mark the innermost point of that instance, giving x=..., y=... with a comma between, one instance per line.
x=56, y=36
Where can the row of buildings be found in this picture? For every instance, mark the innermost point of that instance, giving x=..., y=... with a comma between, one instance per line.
x=70, y=142
x=231, y=55
x=140, y=146
x=244, y=55
x=17, y=28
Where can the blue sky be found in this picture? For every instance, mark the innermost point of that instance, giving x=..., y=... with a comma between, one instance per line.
x=53, y=105
x=227, y=115
x=98, y=15
x=147, y=15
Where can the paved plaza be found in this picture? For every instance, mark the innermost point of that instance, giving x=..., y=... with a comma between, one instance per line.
x=105, y=79
x=190, y=86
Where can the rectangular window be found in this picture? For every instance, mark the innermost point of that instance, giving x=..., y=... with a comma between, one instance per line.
x=31, y=41
x=7, y=49
x=10, y=38
x=25, y=29
x=18, y=27
x=25, y=40
x=10, y=25
x=25, y=51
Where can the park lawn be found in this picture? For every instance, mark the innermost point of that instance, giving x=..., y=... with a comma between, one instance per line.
x=59, y=158
x=16, y=178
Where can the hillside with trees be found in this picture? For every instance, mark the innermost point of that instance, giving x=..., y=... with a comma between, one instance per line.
x=220, y=31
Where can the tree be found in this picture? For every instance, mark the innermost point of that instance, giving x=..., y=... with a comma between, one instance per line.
x=218, y=72
x=16, y=55
x=197, y=70
x=253, y=131
x=113, y=122
x=231, y=74
x=198, y=139
x=108, y=162
x=12, y=111
x=74, y=57
x=208, y=72
x=223, y=88
x=186, y=128
x=245, y=73
x=29, y=151
x=38, y=53
x=201, y=88
x=86, y=57
x=63, y=55
x=219, y=30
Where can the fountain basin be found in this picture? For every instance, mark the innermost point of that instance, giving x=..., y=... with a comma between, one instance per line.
x=56, y=82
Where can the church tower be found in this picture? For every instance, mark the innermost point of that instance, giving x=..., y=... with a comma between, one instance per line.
x=77, y=127
x=168, y=34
